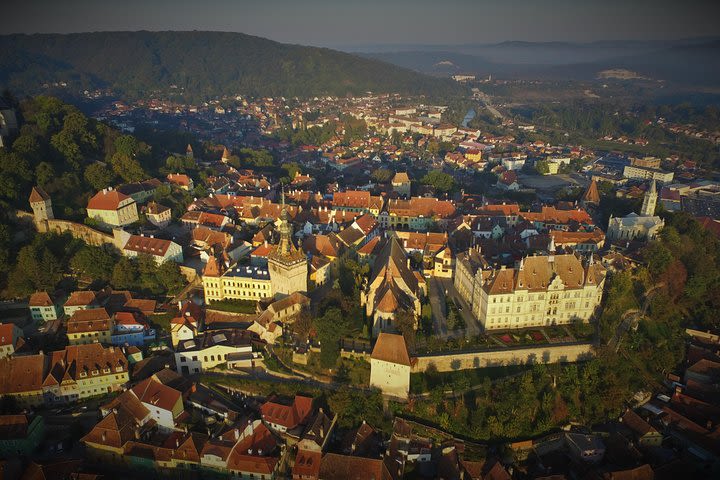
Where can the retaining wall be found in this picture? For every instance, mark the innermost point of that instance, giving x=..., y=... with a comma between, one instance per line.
x=502, y=357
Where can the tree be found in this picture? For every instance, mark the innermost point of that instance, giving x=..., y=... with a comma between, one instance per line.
x=170, y=277
x=330, y=329
x=124, y=274
x=405, y=322
x=441, y=182
x=97, y=263
x=99, y=176
x=542, y=167
x=382, y=175
x=127, y=167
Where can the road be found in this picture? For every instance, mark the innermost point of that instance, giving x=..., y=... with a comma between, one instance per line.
x=438, y=287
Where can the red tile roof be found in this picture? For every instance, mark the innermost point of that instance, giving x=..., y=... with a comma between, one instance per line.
x=149, y=245
x=390, y=347
x=289, y=416
x=40, y=299
x=106, y=200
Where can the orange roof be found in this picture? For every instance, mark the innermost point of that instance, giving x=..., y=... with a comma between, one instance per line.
x=307, y=464
x=40, y=299
x=152, y=392
x=591, y=194
x=80, y=298
x=390, y=347
x=6, y=333
x=179, y=179
x=149, y=245
x=107, y=200
x=38, y=195
x=289, y=416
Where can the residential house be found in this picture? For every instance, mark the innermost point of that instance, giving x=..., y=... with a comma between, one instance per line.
x=10, y=335
x=72, y=374
x=158, y=215
x=111, y=208
x=180, y=180
x=283, y=415
x=80, y=300
x=212, y=349
x=159, y=249
x=43, y=307
x=90, y=326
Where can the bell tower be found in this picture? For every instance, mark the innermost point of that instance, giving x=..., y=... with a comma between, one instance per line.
x=650, y=201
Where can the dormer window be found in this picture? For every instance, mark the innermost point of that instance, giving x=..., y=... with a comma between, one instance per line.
x=83, y=374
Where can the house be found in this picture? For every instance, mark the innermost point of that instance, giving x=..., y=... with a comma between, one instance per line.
x=282, y=415
x=20, y=435
x=390, y=366
x=90, y=326
x=43, y=307
x=644, y=434
x=80, y=300
x=180, y=180
x=131, y=328
x=10, y=334
x=188, y=322
x=59, y=377
x=140, y=191
x=164, y=403
x=508, y=181
x=158, y=215
x=211, y=349
x=417, y=213
x=111, y=208
x=160, y=249
x=585, y=448
x=257, y=453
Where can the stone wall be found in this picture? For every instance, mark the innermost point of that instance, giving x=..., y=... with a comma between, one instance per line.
x=78, y=230
x=502, y=357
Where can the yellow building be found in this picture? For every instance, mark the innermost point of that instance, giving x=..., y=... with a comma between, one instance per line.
x=89, y=326
x=541, y=291
x=235, y=283
x=63, y=376
x=111, y=208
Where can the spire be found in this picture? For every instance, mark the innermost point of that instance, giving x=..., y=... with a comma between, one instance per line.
x=650, y=201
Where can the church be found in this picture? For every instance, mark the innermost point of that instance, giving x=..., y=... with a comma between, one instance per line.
x=645, y=226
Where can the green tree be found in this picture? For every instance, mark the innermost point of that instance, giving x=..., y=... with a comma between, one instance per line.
x=99, y=176
x=124, y=274
x=441, y=182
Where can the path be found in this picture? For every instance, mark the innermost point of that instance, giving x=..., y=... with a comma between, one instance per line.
x=472, y=326
x=632, y=316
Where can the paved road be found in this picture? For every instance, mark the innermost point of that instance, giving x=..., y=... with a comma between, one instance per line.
x=437, y=303
x=438, y=287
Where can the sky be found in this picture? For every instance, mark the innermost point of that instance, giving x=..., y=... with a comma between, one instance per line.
x=347, y=23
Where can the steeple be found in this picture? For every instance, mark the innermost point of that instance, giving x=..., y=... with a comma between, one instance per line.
x=286, y=246
x=650, y=201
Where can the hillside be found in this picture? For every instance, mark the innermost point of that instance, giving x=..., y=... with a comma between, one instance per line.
x=204, y=64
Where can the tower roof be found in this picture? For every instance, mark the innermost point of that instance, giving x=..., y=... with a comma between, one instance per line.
x=38, y=195
x=591, y=194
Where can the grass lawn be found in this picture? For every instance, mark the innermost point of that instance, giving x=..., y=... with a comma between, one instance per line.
x=234, y=306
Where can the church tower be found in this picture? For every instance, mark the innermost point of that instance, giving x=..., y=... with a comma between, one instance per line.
x=41, y=205
x=650, y=201
x=287, y=264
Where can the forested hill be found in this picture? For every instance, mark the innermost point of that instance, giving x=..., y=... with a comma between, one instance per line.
x=204, y=64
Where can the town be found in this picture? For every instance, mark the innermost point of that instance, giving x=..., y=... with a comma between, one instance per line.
x=322, y=289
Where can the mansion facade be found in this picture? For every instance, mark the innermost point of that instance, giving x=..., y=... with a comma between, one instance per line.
x=541, y=291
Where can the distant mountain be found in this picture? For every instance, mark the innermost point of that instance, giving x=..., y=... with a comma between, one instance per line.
x=691, y=62
x=204, y=64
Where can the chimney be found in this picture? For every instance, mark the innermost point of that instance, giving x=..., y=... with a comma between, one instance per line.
x=177, y=442
x=237, y=434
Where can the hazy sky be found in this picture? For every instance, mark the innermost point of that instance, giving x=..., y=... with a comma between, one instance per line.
x=366, y=22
